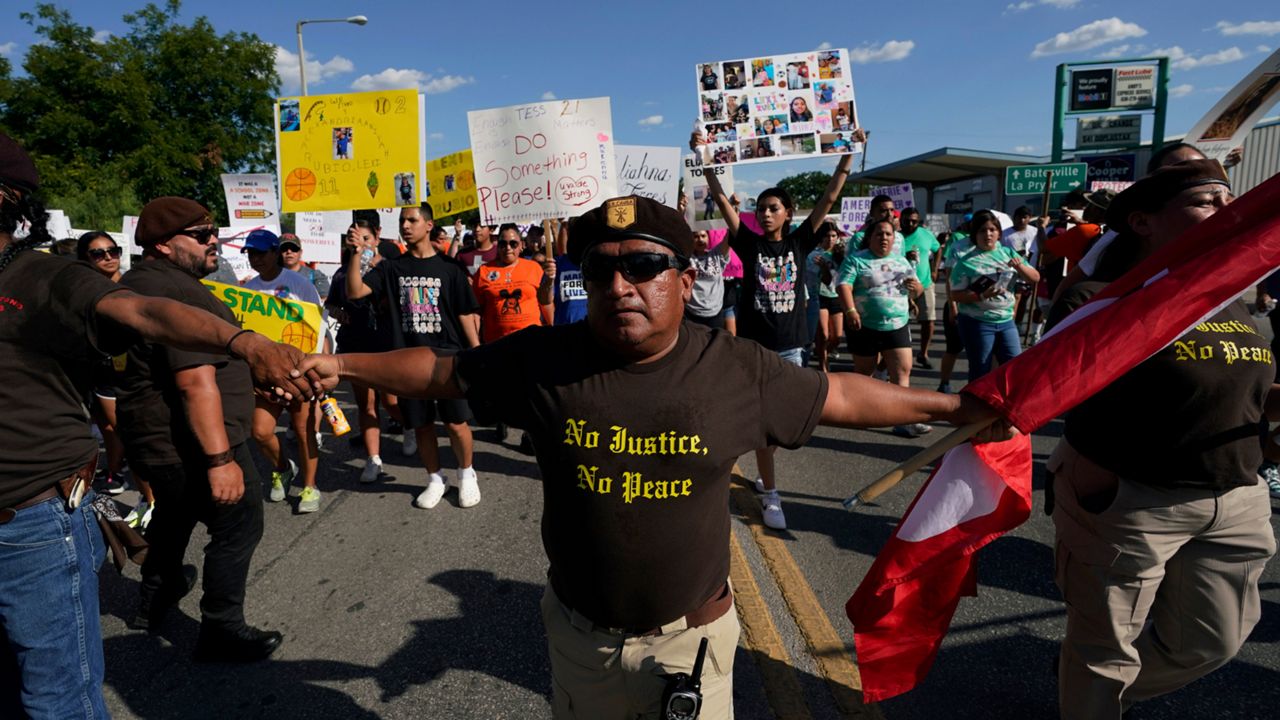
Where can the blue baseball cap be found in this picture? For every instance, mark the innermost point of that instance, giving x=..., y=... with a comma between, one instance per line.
x=261, y=240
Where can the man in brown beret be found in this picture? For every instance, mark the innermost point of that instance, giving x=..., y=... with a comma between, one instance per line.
x=185, y=419
x=58, y=320
x=635, y=437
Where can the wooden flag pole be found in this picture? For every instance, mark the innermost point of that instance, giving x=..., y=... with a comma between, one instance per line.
x=924, y=457
x=1035, y=287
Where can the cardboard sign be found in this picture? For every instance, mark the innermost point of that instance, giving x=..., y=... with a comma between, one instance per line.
x=649, y=171
x=903, y=195
x=1227, y=124
x=777, y=108
x=451, y=184
x=701, y=212
x=349, y=151
x=251, y=199
x=853, y=213
x=321, y=234
x=283, y=320
x=542, y=160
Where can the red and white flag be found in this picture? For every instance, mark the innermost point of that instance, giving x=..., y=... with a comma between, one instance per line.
x=902, y=608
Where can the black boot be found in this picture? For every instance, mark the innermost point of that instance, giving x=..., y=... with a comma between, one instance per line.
x=243, y=644
x=154, y=603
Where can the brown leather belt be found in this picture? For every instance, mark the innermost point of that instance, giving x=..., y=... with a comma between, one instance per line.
x=710, y=611
x=62, y=488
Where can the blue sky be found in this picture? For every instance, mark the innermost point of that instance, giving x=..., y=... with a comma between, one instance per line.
x=928, y=74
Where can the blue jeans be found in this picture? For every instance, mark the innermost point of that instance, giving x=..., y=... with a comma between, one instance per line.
x=983, y=339
x=49, y=562
x=795, y=356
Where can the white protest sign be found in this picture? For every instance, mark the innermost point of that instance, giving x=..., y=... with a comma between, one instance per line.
x=937, y=223
x=542, y=160
x=390, y=223
x=777, y=107
x=903, y=195
x=853, y=213
x=1225, y=126
x=128, y=228
x=321, y=234
x=251, y=199
x=701, y=212
x=230, y=243
x=58, y=224
x=649, y=171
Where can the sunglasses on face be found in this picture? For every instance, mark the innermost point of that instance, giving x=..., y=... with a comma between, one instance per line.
x=200, y=235
x=635, y=267
x=103, y=253
x=508, y=243
x=290, y=248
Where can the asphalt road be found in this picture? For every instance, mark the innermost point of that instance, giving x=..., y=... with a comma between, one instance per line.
x=394, y=612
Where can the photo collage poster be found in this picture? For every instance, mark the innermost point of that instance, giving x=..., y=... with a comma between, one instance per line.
x=777, y=108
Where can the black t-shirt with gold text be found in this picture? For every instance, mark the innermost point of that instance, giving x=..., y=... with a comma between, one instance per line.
x=636, y=458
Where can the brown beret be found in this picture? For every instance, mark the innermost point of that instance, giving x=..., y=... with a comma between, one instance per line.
x=164, y=217
x=1154, y=190
x=16, y=166
x=630, y=217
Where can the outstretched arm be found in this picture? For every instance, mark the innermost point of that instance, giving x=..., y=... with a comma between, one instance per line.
x=412, y=373
x=858, y=401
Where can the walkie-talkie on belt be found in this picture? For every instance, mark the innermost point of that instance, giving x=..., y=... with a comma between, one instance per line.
x=682, y=698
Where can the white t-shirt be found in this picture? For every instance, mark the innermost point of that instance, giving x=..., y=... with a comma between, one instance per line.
x=1089, y=263
x=1020, y=241
x=290, y=286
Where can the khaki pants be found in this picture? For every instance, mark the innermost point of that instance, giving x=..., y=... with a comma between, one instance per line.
x=598, y=675
x=1161, y=585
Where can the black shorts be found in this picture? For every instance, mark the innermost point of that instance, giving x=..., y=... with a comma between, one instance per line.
x=869, y=343
x=422, y=413
x=830, y=304
x=951, y=331
x=732, y=287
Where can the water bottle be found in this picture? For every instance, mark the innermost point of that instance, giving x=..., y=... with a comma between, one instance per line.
x=366, y=260
x=335, y=416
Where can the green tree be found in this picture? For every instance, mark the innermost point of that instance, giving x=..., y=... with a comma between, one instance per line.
x=807, y=187
x=162, y=110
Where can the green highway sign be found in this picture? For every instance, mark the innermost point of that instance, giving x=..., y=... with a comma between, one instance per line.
x=1031, y=179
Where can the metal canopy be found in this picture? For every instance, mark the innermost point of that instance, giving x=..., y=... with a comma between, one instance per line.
x=945, y=165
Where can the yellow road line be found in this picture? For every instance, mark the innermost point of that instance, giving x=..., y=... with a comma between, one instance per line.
x=777, y=674
x=824, y=642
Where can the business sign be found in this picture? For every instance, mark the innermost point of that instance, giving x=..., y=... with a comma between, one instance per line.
x=542, y=160
x=1111, y=168
x=1225, y=126
x=701, y=212
x=287, y=321
x=1109, y=131
x=1091, y=90
x=451, y=184
x=1032, y=179
x=251, y=199
x=777, y=107
x=1134, y=87
x=1117, y=186
x=649, y=171
x=349, y=151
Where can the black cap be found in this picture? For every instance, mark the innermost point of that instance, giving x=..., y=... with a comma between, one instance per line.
x=16, y=167
x=1153, y=190
x=630, y=217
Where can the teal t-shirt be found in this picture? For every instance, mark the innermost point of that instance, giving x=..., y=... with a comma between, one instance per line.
x=855, y=241
x=959, y=245
x=925, y=245
x=878, y=291
x=975, y=263
x=813, y=274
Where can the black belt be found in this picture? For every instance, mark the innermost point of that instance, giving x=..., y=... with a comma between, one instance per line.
x=63, y=488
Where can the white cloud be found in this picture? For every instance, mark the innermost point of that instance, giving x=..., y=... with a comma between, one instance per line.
x=548, y=95
x=1115, y=52
x=401, y=78
x=1091, y=35
x=1255, y=27
x=1263, y=49
x=824, y=45
x=1024, y=149
x=651, y=120
x=1181, y=90
x=1028, y=4
x=317, y=72
x=102, y=36
x=435, y=136
x=1180, y=60
x=6, y=50
x=891, y=51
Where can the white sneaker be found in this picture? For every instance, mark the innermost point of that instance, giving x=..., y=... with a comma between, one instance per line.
x=136, y=515
x=468, y=488
x=319, y=441
x=430, y=497
x=372, y=469
x=759, y=485
x=773, y=516
x=410, y=444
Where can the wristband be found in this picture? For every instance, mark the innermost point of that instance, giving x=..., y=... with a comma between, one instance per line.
x=213, y=460
x=227, y=349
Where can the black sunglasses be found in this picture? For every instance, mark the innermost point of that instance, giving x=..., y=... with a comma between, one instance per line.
x=508, y=243
x=200, y=235
x=635, y=267
x=102, y=253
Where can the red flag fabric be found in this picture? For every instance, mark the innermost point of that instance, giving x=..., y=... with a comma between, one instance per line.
x=903, y=607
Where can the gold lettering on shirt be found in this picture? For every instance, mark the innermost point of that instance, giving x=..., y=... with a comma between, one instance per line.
x=635, y=487
x=667, y=443
x=574, y=434
x=623, y=442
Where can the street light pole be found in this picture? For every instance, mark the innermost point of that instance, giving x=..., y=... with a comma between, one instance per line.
x=302, y=58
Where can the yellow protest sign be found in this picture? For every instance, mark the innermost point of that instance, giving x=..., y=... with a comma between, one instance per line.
x=288, y=321
x=451, y=184
x=349, y=151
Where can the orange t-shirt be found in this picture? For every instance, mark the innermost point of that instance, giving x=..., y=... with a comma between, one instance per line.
x=508, y=298
x=1072, y=244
